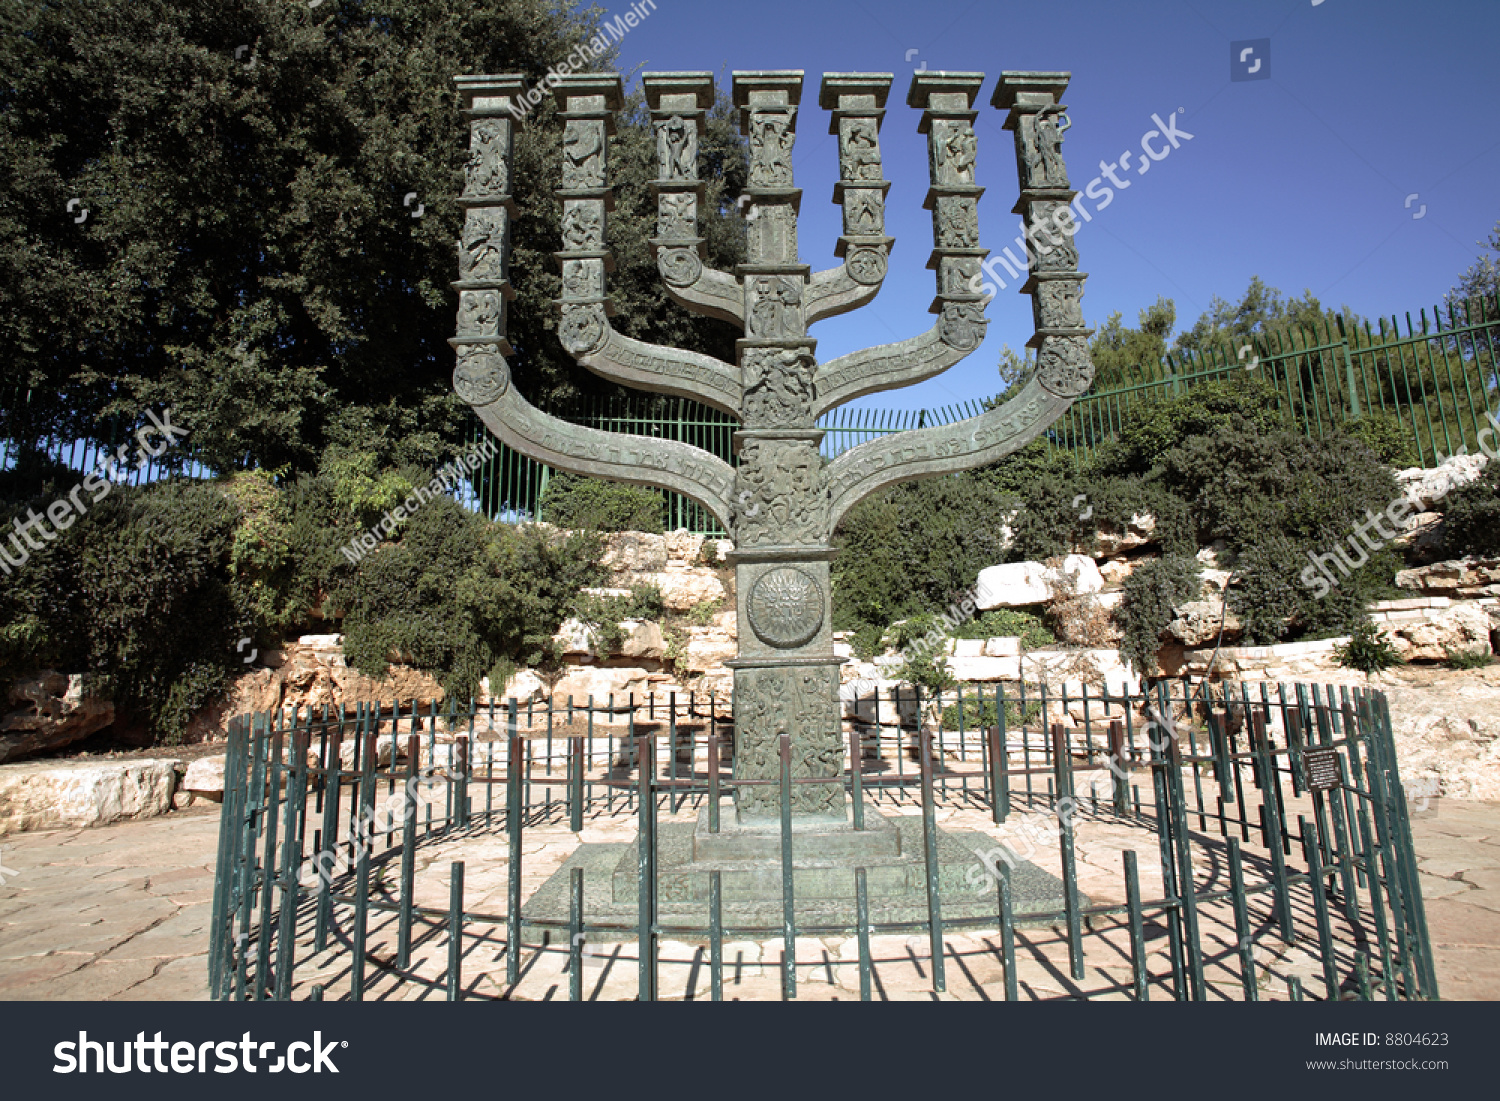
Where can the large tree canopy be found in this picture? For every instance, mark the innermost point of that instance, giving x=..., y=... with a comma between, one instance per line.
x=251, y=171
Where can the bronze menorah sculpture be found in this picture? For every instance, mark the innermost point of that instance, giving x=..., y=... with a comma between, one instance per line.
x=783, y=501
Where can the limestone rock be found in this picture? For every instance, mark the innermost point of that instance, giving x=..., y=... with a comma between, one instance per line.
x=205, y=777
x=49, y=795
x=524, y=687
x=1005, y=647
x=577, y=639
x=709, y=648
x=1197, y=623
x=1436, y=483
x=1214, y=581
x=1465, y=626
x=599, y=681
x=643, y=640
x=1459, y=577
x=1018, y=584
x=685, y=587
x=1013, y=585
x=1116, y=570
x=1140, y=531
x=628, y=552
x=683, y=546
x=53, y=711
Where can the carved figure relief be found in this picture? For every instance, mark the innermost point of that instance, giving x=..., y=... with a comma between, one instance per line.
x=864, y=212
x=487, y=171
x=482, y=252
x=959, y=275
x=778, y=384
x=786, y=607
x=482, y=375
x=583, y=279
x=479, y=313
x=583, y=155
x=776, y=310
x=866, y=266
x=583, y=227
x=962, y=325
x=583, y=329
x=859, y=159
x=771, y=139
x=680, y=267
x=957, y=222
x=677, y=149
x=804, y=704
x=1063, y=367
x=677, y=216
x=956, y=149
x=1058, y=301
x=1050, y=229
x=1041, y=149
x=782, y=495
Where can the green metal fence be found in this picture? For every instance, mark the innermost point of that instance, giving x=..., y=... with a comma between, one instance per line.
x=1243, y=822
x=1438, y=378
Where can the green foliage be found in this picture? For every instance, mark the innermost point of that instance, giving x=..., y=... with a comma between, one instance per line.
x=1262, y=312
x=1123, y=356
x=1008, y=623
x=1052, y=521
x=916, y=547
x=456, y=595
x=1241, y=486
x=926, y=669
x=248, y=260
x=135, y=595
x=1244, y=404
x=1151, y=594
x=702, y=614
x=868, y=641
x=604, y=614
x=1276, y=602
x=977, y=711
x=1467, y=659
x=1471, y=516
x=593, y=504
x=1368, y=650
x=1387, y=436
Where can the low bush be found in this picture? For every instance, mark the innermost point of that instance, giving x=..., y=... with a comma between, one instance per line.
x=1151, y=594
x=1008, y=623
x=594, y=504
x=1368, y=650
x=977, y=711
x=1476, y=658
x=1471, y=516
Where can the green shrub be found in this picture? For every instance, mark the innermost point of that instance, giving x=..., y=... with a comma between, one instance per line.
x=702, y=614
x=927, y=670
x=977, y=711
x=593, y=504
x=1242, y=486
x=1471, y=516
x=1467, y=659
x=1008, y=623
x=1151, y=594
x=603, y=615
x=135, y=596
x=1368, y=650
x=868, y=641
x=1384, y=434
x=464, y=598
x=916, y=547
x=1059, y=513
x=1245, y=404
x=1275, y=602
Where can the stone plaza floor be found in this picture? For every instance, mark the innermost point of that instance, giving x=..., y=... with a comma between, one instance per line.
x=121, y=912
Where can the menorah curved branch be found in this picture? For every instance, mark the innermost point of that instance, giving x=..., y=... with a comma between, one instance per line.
x=782, y=501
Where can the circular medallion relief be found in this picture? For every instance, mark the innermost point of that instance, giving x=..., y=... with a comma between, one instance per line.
x=482, y=375
x=680, y=267
x=786, y=607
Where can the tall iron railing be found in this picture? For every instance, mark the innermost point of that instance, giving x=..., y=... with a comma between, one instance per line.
x=1269, y=824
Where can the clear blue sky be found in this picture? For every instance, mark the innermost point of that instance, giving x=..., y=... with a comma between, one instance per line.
x=1301, y=179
